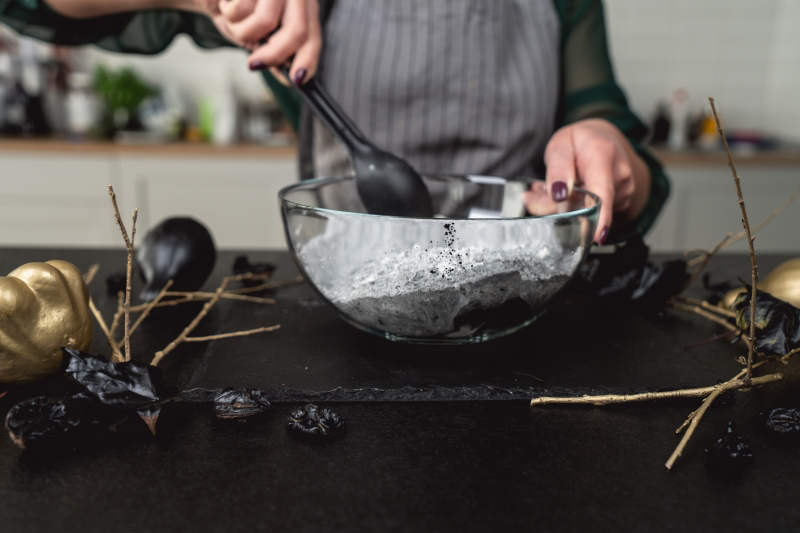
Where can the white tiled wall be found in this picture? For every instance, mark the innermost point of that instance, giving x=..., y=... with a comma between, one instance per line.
x=744, y=53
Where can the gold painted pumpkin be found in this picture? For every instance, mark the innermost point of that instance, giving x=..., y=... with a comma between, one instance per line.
x=782, y=283
x=43, y=307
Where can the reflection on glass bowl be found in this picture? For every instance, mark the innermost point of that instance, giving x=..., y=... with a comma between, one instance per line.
x=482, y=268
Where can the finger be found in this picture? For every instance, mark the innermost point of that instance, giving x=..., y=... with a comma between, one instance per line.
x=559, y=156
x=304, y=64
x=287, y=40
x=625, y=185
x=263, y=19
x=538, y=202
x=236, y=10
x=597, y=176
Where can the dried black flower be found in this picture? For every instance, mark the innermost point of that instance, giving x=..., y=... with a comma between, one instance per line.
x=42, y=422
x=314, y=423
x=730, y=454
x=242, y=265
x=239, y=404
x=116, y=283
x=777, y=322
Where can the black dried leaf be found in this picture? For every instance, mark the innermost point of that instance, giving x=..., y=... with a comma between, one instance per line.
x=242, y=265
x=116, y=386
x=785, y=422
x=777, y=322
x=116, y=283
x=239, y=404
x=730, y=454
x=314, y=423
x=627, y=275
x=42, y=422
x=150, y=413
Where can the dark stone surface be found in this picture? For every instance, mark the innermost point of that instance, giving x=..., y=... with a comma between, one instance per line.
x=417, y=466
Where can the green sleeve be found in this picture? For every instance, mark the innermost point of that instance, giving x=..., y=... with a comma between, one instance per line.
x=143, y=32
x=589, y=90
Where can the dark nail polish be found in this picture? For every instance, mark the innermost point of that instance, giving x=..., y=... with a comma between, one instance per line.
x=559, y=191
x=258, y=65
x=603, y=236
x=299, y=76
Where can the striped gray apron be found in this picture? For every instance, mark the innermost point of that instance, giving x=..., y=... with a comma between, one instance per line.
x=453, y=86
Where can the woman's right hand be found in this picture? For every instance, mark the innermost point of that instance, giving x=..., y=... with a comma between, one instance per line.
x=273, y=30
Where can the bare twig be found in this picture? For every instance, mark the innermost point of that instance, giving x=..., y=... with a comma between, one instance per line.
x=698, y=415
x=705, y=305
x=129, y=248
x=742, y=234
x=605, y=399
x=118, y=314
x=710, y=340
x=705, y=314
x=115, y=353
x=268, y=286
x=150, y=306
x=91, y=273
x=234, y=334
x=708, y=256
x=193, y=324
x=529, y=375
x=225, y=295
x=746, y=225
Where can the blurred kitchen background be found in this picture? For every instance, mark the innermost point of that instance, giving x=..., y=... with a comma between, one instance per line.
x=194, y=132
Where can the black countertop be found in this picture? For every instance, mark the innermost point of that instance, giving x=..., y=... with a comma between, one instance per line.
x=413, y=465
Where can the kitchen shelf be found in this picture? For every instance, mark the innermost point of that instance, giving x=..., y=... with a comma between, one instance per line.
x=60, y=146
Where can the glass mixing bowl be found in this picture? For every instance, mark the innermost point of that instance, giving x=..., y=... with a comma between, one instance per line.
x=482, y=268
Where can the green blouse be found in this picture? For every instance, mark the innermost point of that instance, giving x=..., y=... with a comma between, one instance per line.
x=589, y=89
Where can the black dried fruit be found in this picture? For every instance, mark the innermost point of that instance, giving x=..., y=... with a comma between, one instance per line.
x=777, y=322
x=785, y=422
x=730, y=454
x=116, y=283
x=180, y=249
x=242, y=265
x=239, y=404
x=41, y=422
x=315, y=423
x=116, y=386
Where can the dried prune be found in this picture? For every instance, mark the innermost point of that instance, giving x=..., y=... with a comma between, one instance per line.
x=314, y=423
x=116, y=283
x=41, y=422
x=785, y=422
x=239, y=404
x=242, y=265
x=730, y=454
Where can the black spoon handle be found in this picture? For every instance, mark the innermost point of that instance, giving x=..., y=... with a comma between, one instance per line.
x=328, y=111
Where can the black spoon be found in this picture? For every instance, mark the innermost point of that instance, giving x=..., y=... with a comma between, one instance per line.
x=386, y=184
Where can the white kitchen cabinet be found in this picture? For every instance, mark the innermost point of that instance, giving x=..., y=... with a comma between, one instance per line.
x=57, y=196
x=703, y=208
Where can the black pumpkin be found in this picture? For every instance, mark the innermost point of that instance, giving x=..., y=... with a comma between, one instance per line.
x=180, y=249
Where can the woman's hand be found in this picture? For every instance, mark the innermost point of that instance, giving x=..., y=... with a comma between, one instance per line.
x=595, y=155
x=273, y=30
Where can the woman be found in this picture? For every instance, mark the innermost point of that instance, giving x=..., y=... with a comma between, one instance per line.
x=512, y=88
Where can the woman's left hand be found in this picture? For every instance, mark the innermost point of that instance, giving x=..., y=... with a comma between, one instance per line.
x=595, y=155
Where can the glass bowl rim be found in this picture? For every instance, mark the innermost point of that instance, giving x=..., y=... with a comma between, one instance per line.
x=585, y=211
